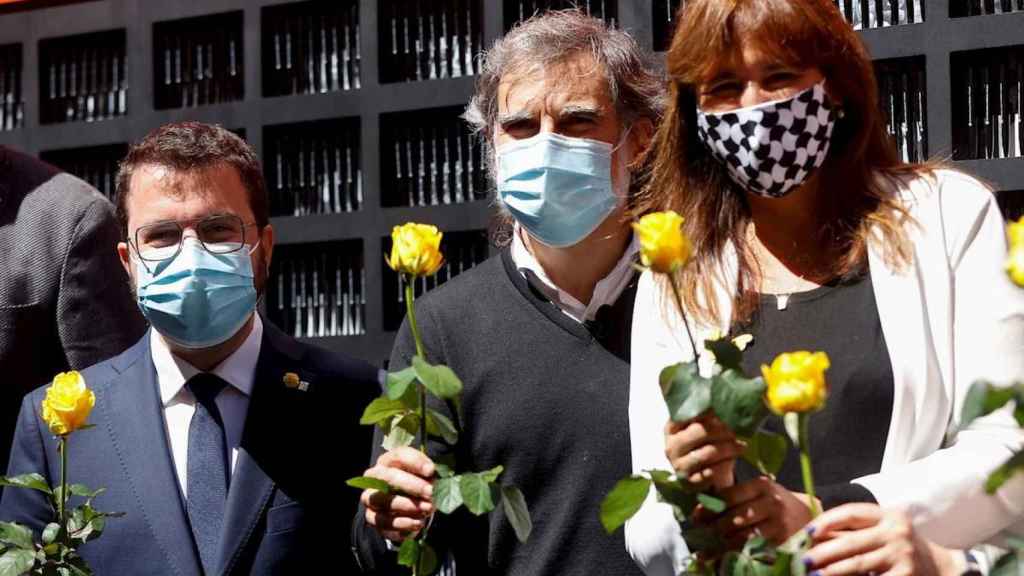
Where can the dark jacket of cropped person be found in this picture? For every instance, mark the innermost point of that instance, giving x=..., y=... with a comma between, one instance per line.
x=64, y=298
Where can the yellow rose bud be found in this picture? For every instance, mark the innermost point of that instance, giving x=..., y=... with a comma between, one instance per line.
x=1015, y=232
x=796, y=382
x=415, y=249
x=67, y=404
x=1015, y=265
x=663, y=245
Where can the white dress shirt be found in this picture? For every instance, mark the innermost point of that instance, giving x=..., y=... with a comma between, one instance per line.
x=606, y=292
x=238, y=370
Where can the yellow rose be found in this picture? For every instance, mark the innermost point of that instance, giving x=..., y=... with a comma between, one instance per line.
x=796, y=382
x=67, y=404
x=663, y=245
x=415, y=249
x=1015, y=265
x=1015, y=231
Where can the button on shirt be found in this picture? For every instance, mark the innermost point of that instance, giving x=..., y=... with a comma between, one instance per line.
x=606, y=292
x=238, y=370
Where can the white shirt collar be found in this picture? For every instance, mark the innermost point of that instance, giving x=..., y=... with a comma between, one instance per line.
x=238, y=369
x=606, y=292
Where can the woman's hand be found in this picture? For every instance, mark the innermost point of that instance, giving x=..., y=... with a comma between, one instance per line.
x=764, y=507
x=864, y=538
x=704, y=451
x=403, y=512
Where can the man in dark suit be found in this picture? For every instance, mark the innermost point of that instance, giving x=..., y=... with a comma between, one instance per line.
x=225, y=441
x=64, y=299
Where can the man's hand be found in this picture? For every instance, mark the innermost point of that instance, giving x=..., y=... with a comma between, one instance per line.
x=401, y=513
x=764, y=507
x=704, y=451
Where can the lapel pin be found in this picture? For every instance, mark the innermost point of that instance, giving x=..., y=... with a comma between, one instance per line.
x=291, y=380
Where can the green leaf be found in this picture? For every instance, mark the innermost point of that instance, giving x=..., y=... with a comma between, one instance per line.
x=668, y=374
x=51, y=533
x=84, y=491
x=983, y=398
x=675, y=491
x=427, y=560
x=401, y=431
x=439, y=380
x=12, y=534
x=419, y=554
x=492, y=474
x=689, y=394
x=16, y=561
x=700, y=538
x=34, y=481
x=1009, y=564
x=398, y=382
x=623, y=501
x=367, y=483
x=716, y=505
x=447, y=495
x=381, y=409
x=766, y=451
x=516, y=511
x=443, y=470
x=727, y=354
x=477, y=493
x=439, y=425
x=1000, y=476
x=739, y=402
x=409, y=553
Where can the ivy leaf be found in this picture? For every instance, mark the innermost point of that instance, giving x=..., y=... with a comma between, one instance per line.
x=727, y=354
x=716, y=505
x=701, y=538
x=516, y=511
x=739, y=401
x=999, y=477
x=418, y=554
x=766, y=451
x=687, y=393
x=12, y=534
x=34, y=481
x=381, y=409
x=16, y=561
x=983, y=398
x=367, y=483
x=439, y=425
x=398, y=382
x=675, y=491
x=623, y=501
x=439, y=380
x=447, y=495
x=492, y=474
x=477, y=493
x=50, y=533
x=443, y=470
x=84, y=491
x=401, y=431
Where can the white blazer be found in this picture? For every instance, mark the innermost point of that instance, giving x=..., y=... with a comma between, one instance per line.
x=949, y=318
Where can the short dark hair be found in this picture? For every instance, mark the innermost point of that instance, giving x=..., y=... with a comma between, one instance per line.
x=188, y=146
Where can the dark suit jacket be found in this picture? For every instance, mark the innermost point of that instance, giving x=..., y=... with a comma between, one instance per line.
x=65, y=302
x=288, y=509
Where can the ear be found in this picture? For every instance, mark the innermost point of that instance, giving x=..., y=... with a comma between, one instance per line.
x=640, y=138
x=125, y=256
x=267, y=243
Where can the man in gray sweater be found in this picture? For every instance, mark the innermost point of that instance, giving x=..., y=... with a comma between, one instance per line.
x=539, y=335
x=64, y=298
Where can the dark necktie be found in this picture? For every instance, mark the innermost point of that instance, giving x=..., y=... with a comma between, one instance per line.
x=207, y=468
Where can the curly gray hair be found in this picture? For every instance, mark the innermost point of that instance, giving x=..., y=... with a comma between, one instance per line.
x=636, y=84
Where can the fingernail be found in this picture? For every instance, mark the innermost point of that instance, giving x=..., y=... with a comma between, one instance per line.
x=428, y=491
x=810, y=530
x=426, y=506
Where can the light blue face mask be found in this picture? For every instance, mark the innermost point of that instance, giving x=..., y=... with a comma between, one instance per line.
x=197, y=299
x=557, y=187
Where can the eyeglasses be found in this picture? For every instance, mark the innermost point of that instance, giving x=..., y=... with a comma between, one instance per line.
x=222, y=234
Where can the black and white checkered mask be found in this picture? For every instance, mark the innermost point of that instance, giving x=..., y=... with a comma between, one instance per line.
x=773, y=147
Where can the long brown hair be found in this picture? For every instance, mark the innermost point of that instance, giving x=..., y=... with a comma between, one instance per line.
x=686, y=178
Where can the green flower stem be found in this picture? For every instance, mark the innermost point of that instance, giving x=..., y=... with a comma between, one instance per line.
x=410, y=296
x=682, y=314
x=62, y=502
x=805, y=463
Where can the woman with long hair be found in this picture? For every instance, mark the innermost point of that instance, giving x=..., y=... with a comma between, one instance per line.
x=809, y=233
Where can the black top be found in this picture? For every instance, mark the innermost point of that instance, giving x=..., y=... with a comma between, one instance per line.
x=847, y=437
x=547, y=398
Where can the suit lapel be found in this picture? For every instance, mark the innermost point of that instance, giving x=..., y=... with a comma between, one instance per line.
x=269, y=409
x=134, y=418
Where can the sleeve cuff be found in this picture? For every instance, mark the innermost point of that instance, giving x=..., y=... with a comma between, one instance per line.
x=834, y=495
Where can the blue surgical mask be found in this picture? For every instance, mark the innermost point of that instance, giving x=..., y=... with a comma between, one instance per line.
x=197, y=299
x=557, y=187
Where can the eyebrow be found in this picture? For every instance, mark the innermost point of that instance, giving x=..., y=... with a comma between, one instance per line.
x=578, y=110
x=514, y=117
